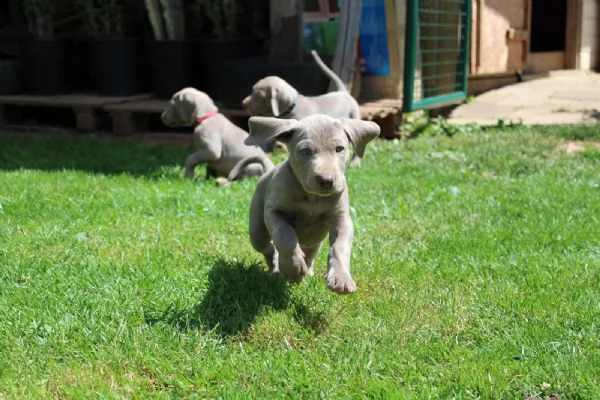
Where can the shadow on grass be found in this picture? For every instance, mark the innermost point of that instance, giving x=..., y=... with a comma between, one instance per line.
x=89, y=153
x=235, y=297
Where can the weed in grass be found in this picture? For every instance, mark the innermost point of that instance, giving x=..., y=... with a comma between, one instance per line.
x=419, y=123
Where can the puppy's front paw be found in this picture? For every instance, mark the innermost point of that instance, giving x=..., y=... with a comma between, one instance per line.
x=340, y=282
x=293, y=267
x=221, y=181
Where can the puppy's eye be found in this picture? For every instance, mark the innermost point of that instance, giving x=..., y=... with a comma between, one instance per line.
x=340, y=149
x=305, y=151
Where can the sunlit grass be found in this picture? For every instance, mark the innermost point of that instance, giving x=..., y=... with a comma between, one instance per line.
x=476, y=258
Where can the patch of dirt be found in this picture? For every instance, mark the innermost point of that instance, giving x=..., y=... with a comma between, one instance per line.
x=574, y=146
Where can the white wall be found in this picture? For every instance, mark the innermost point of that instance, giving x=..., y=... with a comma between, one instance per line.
x=589, y=54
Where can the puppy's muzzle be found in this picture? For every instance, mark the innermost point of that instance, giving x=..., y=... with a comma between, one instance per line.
x=166, y=119
x=324, y=182
x=323, y=185
x=246, y=104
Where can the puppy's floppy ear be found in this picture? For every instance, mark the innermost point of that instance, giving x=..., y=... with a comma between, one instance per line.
x=266, y=129
x=274, y=102
x=360, y=133
x=186, y=108
x=167, y=115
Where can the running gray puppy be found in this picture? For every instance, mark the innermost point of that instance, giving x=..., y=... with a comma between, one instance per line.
x=219, y=142
x=274, y=97
x=305, y=198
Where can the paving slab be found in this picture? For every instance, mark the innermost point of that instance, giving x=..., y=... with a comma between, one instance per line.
x=562, y=97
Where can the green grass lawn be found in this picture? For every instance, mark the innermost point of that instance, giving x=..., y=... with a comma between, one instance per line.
x=477, y=261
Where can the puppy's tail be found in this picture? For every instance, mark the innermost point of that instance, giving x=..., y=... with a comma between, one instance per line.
x=267, y=165
x=336, y=79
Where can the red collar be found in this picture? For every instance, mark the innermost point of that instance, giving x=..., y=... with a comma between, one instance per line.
x=206, y=116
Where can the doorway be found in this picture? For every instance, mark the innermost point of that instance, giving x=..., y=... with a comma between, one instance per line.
x=548, y=35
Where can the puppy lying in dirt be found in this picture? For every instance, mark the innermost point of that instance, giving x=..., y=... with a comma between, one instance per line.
x=305, y=198
x=274, y=97
x=219, y=142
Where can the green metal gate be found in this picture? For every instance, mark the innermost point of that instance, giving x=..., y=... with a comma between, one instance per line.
x=436, y=52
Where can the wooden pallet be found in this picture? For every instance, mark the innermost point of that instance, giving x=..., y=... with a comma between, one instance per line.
x=132, y=117
x=380, y=109
x=129, y=115
x=387, y=114
x=86, y=107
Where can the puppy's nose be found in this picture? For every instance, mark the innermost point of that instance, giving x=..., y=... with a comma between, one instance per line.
x=325, y=182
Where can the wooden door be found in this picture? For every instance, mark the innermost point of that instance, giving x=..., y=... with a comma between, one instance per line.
x=500, y=36
x=548, y=35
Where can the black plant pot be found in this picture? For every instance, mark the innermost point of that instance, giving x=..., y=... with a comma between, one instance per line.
x=173, y=64
x=10, y=73
x=212, y=54
x=44, y=66
x=80, y=65
x=238, y=75
x=117, y=66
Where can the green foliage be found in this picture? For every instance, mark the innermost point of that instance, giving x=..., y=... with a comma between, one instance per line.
x=419, y=123
x=225, y=15
x=174, y=21
x=476, y=258
x=502, y=124
x=167, y=19
x=39, y=15
x=226, y=19
x=155, y=17
x=102, y=18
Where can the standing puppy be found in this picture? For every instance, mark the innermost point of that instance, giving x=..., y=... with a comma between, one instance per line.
x=305, y=198
x=219, y=142
x=274, y=97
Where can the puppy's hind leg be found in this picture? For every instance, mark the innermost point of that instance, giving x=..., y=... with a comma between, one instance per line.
x=251, y=170
x=190, y=164
x=199, y=157
x=355, y=114
x=210, y=173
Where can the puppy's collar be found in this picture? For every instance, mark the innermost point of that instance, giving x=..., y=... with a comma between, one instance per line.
x=206, y=116
x=289, y=109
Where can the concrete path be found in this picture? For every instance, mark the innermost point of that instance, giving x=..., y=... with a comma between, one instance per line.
x=563, y=97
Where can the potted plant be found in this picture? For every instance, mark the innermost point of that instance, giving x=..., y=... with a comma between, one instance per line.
x=10, y=69
x=43, y=55
x=172, y=57
x=232, y=36
x=116, y=57
x=240, y=73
